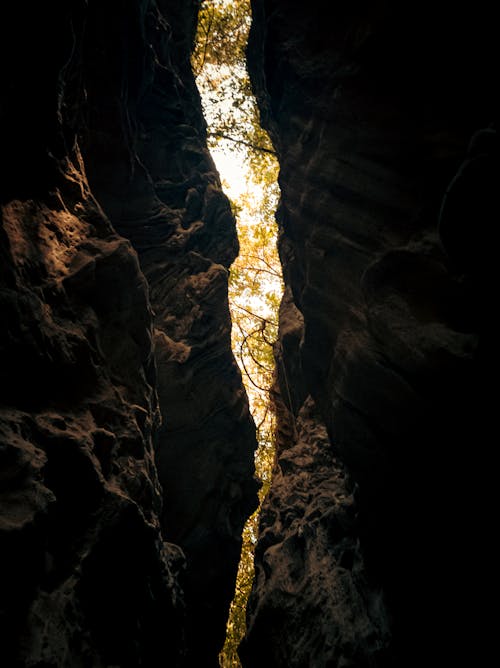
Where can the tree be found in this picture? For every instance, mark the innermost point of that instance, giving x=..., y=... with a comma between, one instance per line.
x=219, y=64
x=255, y=285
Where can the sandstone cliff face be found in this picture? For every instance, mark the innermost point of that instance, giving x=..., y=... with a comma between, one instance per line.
x=166, y=198
x=371, y=112
x=86, y=578
x=127, y=446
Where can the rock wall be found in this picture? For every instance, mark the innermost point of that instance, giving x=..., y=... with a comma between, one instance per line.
x=126, y=442
x=166, y=198
x=385, y=333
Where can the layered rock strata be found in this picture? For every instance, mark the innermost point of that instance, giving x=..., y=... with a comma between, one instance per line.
x=127, y=446
x=382, y=223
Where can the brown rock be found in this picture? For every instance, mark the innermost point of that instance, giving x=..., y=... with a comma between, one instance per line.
x=79, y=490
x=167, y=199
x=369, y=115
x=106, y=308
x=312, y=603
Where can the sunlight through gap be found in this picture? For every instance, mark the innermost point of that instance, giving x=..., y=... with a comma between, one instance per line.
x=244, y=157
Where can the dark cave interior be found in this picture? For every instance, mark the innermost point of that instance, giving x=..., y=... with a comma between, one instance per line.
x=126, y=442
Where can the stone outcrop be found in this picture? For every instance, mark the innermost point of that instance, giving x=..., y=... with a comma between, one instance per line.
x=313, y=603
x=126, y=447
x=385, y=333
x=126, y=442
x=166, y=198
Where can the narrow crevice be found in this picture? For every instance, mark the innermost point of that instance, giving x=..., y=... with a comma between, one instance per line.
x=247, y=163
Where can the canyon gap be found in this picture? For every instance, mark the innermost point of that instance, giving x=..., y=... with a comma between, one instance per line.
x=123, y=495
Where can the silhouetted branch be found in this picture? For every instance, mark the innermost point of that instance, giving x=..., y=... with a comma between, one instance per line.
x=254, y=315
x=248, y=144
x=271, y=269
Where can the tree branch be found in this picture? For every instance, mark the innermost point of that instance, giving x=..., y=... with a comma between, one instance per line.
x=261, y=271
x=208, y=30
x=271, y=268
x=254, y=315
x=262, y=421
x=248, y=144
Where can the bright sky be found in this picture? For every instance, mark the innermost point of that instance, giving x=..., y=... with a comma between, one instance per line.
x=232, y=170
x=237, y=180
x=253, y=292
x=228, y=156
x=224, y=109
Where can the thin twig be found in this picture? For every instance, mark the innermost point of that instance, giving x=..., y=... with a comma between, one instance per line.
x=254, y=147
x=271, y=269
x=254, y=315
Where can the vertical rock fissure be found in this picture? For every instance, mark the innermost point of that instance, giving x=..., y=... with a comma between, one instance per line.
x=248, y=166
x=126, y=441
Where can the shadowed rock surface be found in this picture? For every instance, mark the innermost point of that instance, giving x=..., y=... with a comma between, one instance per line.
x=165, y=196
x=384, y=327
x=126, y=442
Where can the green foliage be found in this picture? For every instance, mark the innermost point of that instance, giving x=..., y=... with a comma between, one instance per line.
x=219, y=64
x=222, y=34
x=255, y=285
x=255, y=288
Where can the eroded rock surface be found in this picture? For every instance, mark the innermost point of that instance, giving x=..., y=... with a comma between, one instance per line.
x=314, y=604
x=371, y=122
x=126, y=442
x=86, y=577
x=166, y=198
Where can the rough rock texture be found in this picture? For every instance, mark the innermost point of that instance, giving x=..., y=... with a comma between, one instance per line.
x=126, y=444
x=384, y=235
x=166, y=198
x=315, y=605
x=85, y=575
